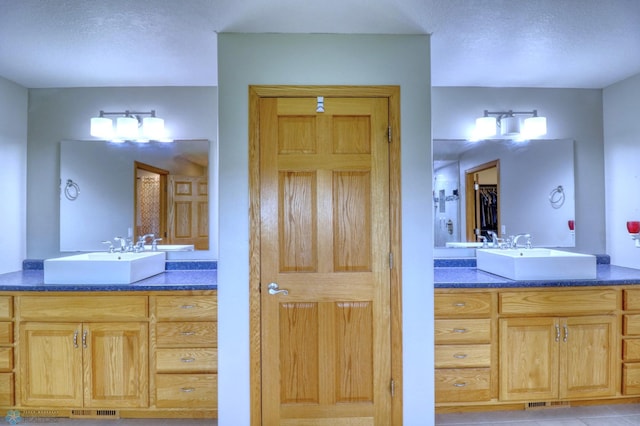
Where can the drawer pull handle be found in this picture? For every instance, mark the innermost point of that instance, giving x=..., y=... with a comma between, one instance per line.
x=188, y=333
x=459, y=304
x=75, y=339
x=460, y=356
x=460, y=385
x=187, y=306
x=460, y=330
x=189, y=359
x=187, y=390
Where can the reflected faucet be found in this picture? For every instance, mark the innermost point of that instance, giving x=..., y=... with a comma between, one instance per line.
x=494, y=238
x=514, y=242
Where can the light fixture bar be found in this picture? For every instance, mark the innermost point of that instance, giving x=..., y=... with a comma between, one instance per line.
x=130, y=126
x=510, y=126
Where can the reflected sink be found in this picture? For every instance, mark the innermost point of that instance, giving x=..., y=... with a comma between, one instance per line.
x=170, y=247
x=463, y=245
x=103, y=268
x=537, y=264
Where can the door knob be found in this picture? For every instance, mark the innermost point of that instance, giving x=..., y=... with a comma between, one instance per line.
x=275, y=289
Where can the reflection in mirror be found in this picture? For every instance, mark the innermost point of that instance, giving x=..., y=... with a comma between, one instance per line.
x=133, y=189
x=530, y=174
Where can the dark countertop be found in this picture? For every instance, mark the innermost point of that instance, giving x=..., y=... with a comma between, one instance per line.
x=173, y=280
x=470, y=277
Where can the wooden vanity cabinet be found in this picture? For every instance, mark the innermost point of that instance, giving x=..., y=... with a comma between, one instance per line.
x=109, y=354
x=6, y=351
x=185, y=362
x=463, y=350
x=631, y=342
x=83, y=352
x=569, y=355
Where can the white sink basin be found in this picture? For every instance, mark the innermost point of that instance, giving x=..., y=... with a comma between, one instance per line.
x=537, y=264
x=103, y=268
x=170, y=247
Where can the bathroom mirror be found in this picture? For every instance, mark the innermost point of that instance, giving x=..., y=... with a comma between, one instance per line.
x=131, y=189
x=535, y=189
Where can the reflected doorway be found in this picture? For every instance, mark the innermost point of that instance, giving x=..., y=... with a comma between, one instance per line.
x=150, y=200
x=482, y=186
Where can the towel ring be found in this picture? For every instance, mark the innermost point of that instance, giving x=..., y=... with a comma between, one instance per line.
x=556, y=197
x=71, y=190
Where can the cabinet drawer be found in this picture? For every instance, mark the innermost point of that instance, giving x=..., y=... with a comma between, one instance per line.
x=187, y=360
x=6, y=389
x=463, y=385
x=631, y=325
x=186, y=308
x=631, y=379
x=6, y=333
x=186, y=334
x=631, y=299
x=463, y=304
x=6, y=307
x=187, y=391
x=557, y=302
x=6, y=359
x=631, y=350
x=463, y=331
x=81, y=308
x=456, y=356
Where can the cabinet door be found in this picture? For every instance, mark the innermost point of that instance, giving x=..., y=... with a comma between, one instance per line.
x=529, y=359
x=588, y=347
x=116, y=364
x=51, y=364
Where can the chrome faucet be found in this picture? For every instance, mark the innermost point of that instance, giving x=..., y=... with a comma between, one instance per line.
x=142, y=240
x=494, y=238
x=514, y=242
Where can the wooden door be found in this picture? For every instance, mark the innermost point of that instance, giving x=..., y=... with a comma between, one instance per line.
x=324, y=229
x=116, y=364
x=51, y=364
x=589, y=350
x=529, y=358
x=188, y=211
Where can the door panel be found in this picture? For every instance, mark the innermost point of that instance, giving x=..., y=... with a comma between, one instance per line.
x=324, y=225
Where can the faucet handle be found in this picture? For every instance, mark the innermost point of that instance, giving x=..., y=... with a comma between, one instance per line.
x=111, y=249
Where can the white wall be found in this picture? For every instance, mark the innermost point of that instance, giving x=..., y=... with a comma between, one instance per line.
x=13, y=175
x=571, y=114
x=246, y=59
x=64, y=114
x=622, y=169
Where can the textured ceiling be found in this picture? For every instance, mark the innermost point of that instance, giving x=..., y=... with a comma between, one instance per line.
x=497, y=43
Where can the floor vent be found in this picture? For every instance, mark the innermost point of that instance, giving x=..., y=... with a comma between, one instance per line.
x=546, y=404
x=95, y=414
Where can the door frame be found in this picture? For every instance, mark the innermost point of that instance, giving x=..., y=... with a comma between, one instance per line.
x=472, y=213
x=392, y=93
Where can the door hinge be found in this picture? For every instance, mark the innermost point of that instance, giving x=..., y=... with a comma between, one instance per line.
x=389, y=133
x=393, y=388
x=390, y=260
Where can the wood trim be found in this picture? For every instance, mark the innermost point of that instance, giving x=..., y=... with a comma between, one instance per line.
x=392, y=93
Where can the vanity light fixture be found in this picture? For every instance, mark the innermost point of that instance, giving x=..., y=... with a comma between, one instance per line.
x=510, y=125
x=130, y=126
